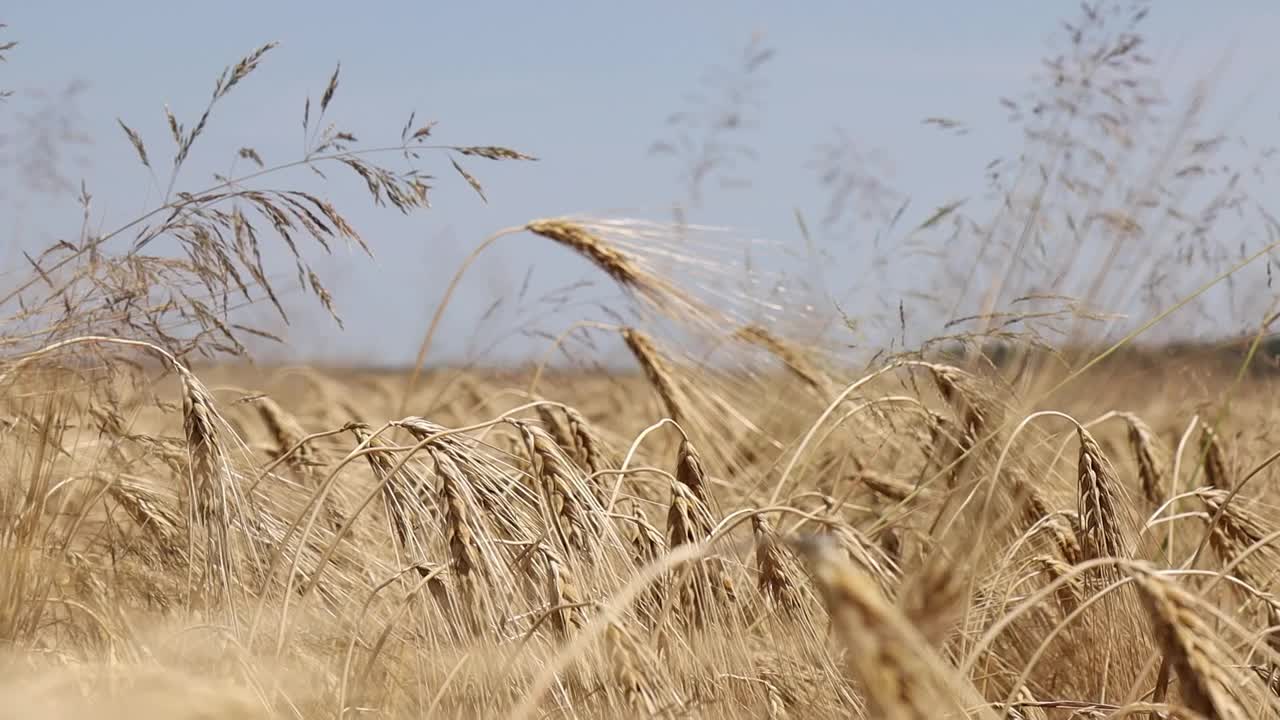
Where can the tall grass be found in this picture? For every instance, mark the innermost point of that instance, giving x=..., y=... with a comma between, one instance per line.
x=773, y=533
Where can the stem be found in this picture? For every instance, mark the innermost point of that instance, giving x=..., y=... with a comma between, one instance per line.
x=439, y=313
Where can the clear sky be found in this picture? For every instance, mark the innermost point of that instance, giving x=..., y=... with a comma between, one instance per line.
x=586, y=87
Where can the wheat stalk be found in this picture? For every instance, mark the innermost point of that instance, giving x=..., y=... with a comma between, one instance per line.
x=1188, y=643
x=793, y=357
x=1149, y=457
x=936, y=597
x=1105, y=528
x=901, y=676
x=658, y=371
x=778, y=575
x=1214, y=459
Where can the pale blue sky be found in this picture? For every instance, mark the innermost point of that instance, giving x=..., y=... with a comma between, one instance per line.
x=587, y=88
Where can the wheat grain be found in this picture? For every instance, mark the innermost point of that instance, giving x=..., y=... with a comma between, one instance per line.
x=1105, y=528
x=1149, y=457
x=1187, y=640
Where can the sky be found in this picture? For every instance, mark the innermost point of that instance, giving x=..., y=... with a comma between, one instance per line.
x=588, y=88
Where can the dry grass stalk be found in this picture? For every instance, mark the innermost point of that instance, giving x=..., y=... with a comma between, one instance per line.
x=563, y=599
x=161, y=524
x=778, y=575
x=630, y=674
x=592, y=246
x=288, y=433
x=402, y=494
x=486, y=479
x=1236, y=530
x=868, y=556
x=212, y=491
x=1105, y=528
x=556, y=429
x=566, y=501
x=793, y=357
x=1024, y=708
x=975, y=411
x=593, y=452
x=658, y=371
x=1189, y=645
x=1149, y=457
x=936, y=597
x=890, y=487
x=647, y=545
x=1062, y=528
x=1071, y=593
x=707, y=585
x=946, y=447
x=464, y=552
x=691, y=473
x=1214, y=459
x=628, y=269
x=111, y=283
x=902, y=678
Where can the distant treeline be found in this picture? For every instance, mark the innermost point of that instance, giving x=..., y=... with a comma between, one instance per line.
x=1221, y=355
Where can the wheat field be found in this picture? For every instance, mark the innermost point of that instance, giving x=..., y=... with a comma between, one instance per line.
x=912, y=542
x=1016, y=519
